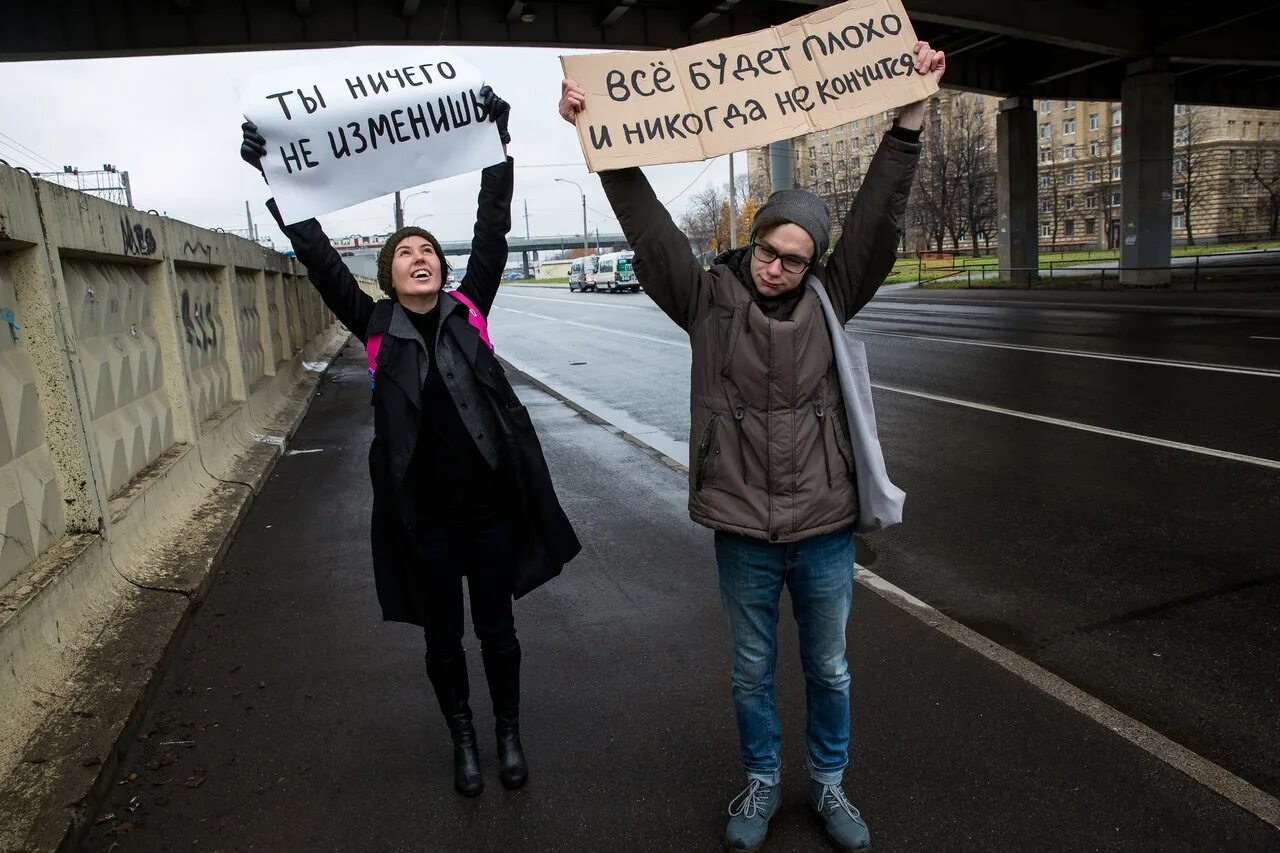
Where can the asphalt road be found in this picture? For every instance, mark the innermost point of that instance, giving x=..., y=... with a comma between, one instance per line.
x=1074, y=480
x=292, y=719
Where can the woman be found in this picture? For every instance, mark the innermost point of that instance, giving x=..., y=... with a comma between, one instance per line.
x=460, y=485
x=770, y=456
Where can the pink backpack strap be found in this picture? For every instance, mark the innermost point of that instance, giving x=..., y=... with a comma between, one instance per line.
x=475, y=318
x=371, y=348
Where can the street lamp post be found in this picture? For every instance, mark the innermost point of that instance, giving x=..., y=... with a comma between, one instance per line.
x=400, y=203
x=585, y=250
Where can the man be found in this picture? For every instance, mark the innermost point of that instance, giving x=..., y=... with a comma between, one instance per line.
x=770, y=466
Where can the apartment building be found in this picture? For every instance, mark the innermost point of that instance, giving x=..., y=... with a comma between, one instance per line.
x=1216, y=195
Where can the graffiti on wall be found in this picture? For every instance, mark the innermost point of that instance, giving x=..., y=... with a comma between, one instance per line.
x=197, y=248
x=198, y=322
x=136, y=240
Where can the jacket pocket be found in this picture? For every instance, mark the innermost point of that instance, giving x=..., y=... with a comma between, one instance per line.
x=820, y=411
x=708, y=453
x=842, y=439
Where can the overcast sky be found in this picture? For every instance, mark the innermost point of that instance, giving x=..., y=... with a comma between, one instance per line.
x=174, y=123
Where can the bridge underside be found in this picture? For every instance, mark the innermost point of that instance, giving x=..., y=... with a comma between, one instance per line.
x=1218, y=52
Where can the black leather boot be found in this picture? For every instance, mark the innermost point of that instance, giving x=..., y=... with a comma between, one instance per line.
x=449, y=678
x=502, y=670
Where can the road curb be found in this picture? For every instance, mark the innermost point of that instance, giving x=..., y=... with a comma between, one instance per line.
x=673, y=464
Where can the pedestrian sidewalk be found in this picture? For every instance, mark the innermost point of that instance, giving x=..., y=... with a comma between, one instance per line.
x=293, y=719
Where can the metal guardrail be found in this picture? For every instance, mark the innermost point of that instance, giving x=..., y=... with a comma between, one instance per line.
x=1221, y=267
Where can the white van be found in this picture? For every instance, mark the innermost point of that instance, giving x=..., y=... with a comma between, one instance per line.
x=614, y=273
x=581, y=272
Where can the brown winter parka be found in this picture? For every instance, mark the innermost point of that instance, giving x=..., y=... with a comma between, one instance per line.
x=769, y=452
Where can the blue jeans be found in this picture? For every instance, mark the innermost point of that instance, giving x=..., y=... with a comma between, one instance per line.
x=819, y=574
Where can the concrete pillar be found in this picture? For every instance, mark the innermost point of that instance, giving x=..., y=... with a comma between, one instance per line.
x=1018, y=241
x=524, y=258
x=1146, y=174
x=781, y=166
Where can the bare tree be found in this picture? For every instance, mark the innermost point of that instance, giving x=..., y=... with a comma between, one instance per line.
x=758, y=186
x=839, y=178
x=1190, y=166
x=969, y=139
x=701, y=221
x=1108, y=181
x=742, y=192
x=934, y=197
x=1051, y=178
x=1264, y=169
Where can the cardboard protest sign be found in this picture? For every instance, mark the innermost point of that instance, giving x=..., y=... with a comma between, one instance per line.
x=360, y=127
x=824, y=69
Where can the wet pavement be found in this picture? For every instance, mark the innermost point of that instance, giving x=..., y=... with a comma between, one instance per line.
x=1139, y=569
x=292, y=718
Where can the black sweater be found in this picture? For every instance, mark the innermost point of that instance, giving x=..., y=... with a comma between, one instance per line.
x=450, y=479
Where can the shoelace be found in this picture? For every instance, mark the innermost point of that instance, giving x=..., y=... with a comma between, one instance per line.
x=751, y=802
x=838, y=801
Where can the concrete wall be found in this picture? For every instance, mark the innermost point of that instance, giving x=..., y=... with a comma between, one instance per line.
x=554, y=269
x=150, y=374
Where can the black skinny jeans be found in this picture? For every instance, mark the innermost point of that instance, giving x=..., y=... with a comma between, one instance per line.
x=485, y=553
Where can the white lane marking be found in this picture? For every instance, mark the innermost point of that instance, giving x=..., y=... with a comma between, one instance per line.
x=1159, y=362
x=577, y=302
x=1045, y=419
x=1114, y=433
x=1262, y=338
x=637, y=335
x=1199, y=769
x=299, y=452
x=1217, y=779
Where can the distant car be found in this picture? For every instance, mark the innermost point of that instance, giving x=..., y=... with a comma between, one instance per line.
x=512, y=276
x=614, y=273
x=580, y=273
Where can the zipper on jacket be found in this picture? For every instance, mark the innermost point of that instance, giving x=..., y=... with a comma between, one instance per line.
x=768, y=431
x=704, y=453
x=821, y=412
x=738, y=414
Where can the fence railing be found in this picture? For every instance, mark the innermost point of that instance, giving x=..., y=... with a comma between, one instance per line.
x=1246, y=268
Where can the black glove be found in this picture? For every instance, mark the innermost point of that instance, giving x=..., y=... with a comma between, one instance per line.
x=254, y=146
x=499, y=111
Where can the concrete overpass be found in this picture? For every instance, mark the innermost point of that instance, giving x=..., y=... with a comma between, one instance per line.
x=1078, y=49
x=1147, y=56
x=364, y=261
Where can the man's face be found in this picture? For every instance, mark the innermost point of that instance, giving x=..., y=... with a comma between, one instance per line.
x=780, y=258
x=415, y=268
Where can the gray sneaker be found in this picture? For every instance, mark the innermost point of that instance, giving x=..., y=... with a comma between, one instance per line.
x=749, y=816
x=845, y=826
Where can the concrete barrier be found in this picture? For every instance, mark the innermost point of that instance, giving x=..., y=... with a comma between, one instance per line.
x=151, y=373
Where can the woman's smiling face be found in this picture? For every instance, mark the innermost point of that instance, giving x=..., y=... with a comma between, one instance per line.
x=415, y=268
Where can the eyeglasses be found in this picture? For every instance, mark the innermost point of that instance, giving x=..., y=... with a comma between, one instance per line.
x=766, y=255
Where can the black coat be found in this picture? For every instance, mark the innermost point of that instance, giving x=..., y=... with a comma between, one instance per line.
x=547, y=538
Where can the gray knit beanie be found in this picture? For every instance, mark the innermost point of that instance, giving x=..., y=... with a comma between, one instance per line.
x=389, y=249
x=798, y=207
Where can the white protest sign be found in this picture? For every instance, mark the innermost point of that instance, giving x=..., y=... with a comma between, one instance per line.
x=359, y=127
x=827, y=68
